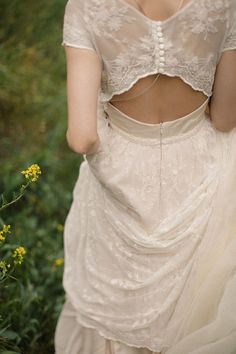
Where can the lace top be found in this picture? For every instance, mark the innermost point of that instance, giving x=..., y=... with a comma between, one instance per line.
x=131, y=45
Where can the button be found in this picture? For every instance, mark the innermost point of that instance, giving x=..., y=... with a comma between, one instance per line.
x=159, y=29
x=162, y=59
x=161, y=70
x=161, y=46
x=161, y=52
x=159, y=34
x=161, y=39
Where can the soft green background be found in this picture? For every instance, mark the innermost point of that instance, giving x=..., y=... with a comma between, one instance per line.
x=32, y=130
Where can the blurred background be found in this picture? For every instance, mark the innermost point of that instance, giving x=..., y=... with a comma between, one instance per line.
x=32, y=130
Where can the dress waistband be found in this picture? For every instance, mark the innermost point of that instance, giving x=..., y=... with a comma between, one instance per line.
x=185, y=125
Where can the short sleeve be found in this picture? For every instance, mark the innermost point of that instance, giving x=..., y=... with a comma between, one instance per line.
x=230, y=38
x=75, y=33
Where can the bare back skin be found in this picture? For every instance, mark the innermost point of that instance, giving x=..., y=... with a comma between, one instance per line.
x=169, y=98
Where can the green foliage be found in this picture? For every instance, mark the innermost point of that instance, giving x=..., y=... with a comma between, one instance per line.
x=32, y=130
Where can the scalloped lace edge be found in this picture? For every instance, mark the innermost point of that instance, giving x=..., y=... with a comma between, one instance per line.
x=141, y=76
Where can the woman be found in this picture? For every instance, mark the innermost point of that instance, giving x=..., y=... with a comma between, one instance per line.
x=150, y=238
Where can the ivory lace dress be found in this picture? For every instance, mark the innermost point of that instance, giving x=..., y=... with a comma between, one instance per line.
x=150, y=239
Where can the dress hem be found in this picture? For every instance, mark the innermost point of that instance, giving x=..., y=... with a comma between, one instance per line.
x=109, y=337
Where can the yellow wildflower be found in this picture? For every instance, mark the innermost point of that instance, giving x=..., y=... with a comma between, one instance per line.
x=32, y=173
x=18, y=255
x=58, y=262
x=5, y=230
x=3, y=267
x=2, y=237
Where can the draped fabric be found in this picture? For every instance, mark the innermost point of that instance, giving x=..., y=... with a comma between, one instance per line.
x=150, y=238
x=151, y=275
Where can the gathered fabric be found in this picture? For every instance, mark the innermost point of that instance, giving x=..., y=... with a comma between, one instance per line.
x=150, y=266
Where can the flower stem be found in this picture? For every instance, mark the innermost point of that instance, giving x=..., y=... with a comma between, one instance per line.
x=21, y=193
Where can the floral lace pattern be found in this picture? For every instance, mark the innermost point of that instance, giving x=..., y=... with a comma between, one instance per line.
x=130, y=267
x=132, y=46
x=139, y=268
x=105, y=21
x=74, y=29
x=205, y=17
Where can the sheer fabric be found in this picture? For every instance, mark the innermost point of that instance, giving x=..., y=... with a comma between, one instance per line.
x=130, y=45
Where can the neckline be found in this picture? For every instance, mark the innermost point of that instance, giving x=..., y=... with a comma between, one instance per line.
x=148, y=19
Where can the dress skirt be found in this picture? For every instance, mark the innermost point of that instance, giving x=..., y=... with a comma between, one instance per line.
x=150, y=240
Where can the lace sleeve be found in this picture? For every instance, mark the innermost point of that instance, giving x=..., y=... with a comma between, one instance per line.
x=75, y=33
x=230, y=38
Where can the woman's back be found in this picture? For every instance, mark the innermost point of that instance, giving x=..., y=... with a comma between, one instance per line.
x=180, y=41
x=170, y=97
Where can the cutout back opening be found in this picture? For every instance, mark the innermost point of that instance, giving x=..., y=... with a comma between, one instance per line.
x=157, y=98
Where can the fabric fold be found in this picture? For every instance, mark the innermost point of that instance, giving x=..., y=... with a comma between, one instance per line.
x=166, y=288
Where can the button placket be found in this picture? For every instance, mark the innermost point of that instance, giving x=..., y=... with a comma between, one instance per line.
x=159, y=46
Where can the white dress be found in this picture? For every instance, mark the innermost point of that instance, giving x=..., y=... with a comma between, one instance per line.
x=150, y=239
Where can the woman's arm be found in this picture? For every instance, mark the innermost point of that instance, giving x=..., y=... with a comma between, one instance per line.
x=83, y=84
x=223, y=102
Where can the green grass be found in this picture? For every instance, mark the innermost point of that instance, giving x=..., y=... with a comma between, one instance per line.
x=32, y=130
